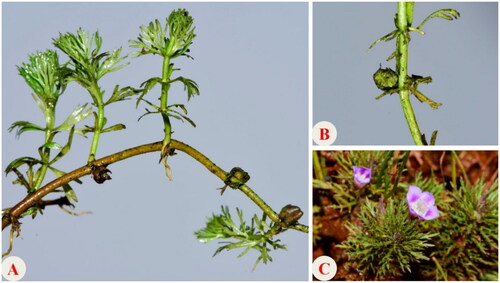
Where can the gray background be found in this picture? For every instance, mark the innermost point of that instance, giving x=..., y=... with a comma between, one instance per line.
x=251, y=66
x=460, y=55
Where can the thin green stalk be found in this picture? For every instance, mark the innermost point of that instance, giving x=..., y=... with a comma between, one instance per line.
x=440, y=269
x=461, y=166
x=453, y=172
x=166, y=72
x=318, y=171
x=45, y=154
x=405, y=10
x=401, y=167
x=99, y=124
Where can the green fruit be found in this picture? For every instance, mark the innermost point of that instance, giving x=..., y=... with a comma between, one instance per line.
x=385, y=79
x=241, y=175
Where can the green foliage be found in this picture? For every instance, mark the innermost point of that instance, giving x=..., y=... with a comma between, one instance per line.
x=467, y=248
x=47, y=78
x=88, y=64
x=257, y=236
x=43, y=77
x=24, y=126
x=169, y=41
x=387, y=241
x=172, y=40
x=86, y=67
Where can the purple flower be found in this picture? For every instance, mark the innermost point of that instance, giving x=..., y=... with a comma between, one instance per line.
x=362, y=176
x=421, y=204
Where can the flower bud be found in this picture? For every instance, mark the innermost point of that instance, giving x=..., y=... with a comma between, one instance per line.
x=362, y=176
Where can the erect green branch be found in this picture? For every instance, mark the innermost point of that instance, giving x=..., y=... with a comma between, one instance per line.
x=31, y=199
x=404, y=17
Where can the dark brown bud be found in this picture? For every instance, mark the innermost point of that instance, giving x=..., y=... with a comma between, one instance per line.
x=290, y=214
x=100, y=173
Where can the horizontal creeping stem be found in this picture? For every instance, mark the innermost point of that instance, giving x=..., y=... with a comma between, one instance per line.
x=31, y=199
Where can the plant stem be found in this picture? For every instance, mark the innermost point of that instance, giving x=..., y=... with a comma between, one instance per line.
x=318, y=171
x=166, y=72
x=31, y=199
x=402, y=69
x=45, y=154
x=99, y=123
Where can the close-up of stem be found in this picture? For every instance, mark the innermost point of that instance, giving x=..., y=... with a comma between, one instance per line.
x=45, y=152
x=399, y=81
x=166, y=72
x=405, y=10
x=99, y=124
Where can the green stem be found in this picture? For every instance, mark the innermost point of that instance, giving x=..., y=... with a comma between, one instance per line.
x=401, y=167
x=402, y=66
x=166, y=72
x=45, y=156
x=318, y=171
x=453, y=172
x=440, y=269
x=99, y=124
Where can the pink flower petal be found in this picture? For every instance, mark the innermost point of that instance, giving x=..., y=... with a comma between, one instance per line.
x=428, y=198
x=431, y=213
x=413, y=194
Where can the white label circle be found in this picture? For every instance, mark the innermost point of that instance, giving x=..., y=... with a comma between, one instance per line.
x=324, y=268
x=13, y=268
x=324, y=133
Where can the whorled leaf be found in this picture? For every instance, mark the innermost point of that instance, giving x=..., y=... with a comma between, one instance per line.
x=30, y=211
x=69, y=193
x=171, y=40
x=80, y=113
x=152, y=39
x=146, y=87
x=68, y=190
x=388, y=37
x=110, y=63
x=41, y=74
x=447, y=14
x=180, y=116
x=88, y=64
x=80, y=47
x=51, y=145
x=189, y=85
x=116, y=127
x=65, y=149
x=30, y=161
x=24, y=126
x=122, y=94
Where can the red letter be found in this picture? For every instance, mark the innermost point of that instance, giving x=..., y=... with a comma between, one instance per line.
x=13, y=270
x=321, y=268
x=324, y=134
